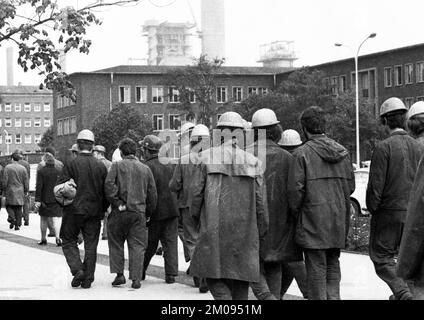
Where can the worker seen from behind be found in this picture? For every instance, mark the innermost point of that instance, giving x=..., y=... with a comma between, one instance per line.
x=290, y=140
x=393, y=167
x=25, y=208
x=415, y=122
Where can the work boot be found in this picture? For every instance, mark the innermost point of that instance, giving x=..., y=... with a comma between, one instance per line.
x=196, y=282
x=76, y=281
x=120, y=279
x=169, y=279
x=203, y=287
x=43, y=243
x=136, y=284
x=58, y=242
x=86, y=284
x=26, y=223
x=11, y=225
x=17, y=228
x=51, y=235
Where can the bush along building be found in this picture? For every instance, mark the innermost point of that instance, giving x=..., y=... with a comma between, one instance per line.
x=144, y=87
x=398, y=72
x=25, y=114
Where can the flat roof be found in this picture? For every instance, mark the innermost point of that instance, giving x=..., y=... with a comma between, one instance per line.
x=23, y=90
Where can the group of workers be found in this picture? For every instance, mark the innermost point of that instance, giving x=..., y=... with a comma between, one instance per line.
x=246, y=219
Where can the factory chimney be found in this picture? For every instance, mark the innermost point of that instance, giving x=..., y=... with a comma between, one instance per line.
x=9, y=66
x=213, y=28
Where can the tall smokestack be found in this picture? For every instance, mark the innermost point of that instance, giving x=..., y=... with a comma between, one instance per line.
x=62, y=60
x=9, y=66
x=213, y=28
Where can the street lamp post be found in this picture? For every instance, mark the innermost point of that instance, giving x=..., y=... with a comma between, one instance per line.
x=372, y=35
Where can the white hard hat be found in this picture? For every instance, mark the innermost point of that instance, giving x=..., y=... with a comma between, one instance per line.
x=290, y=138
x=230, y=119
x=116, y=156
x=416, y=108
x=86, y=135
x=200, y=130
x=186, y=127
x=392, y=104
x=263, y=118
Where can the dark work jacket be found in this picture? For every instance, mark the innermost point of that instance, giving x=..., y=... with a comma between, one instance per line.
x=47, y=177
x=393, y=167
x=278, y=244
x=410, y=263
x=321, y=181
x=15, y=182
x=131, y=183
x=26, y=165
x=89, y=175
x=167, y=206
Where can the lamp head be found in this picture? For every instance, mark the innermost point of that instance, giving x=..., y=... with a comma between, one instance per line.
x=338, y=44
x=372, y=35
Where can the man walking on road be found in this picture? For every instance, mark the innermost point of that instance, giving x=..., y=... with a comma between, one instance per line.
x=25, y=208
x=85, y=212
x=228, y=200
x=131, y=190
x=394, y=164
x=321, y=181
x=15, y=183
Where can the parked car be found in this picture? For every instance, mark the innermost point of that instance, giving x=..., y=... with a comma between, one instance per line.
x=358, y=196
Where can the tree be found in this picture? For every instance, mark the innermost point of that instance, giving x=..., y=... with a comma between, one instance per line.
x=40, y=28
x=47, y=138
x=197, y=81
x=123, y=121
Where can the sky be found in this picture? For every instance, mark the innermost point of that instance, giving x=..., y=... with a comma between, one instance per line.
x=314, y=26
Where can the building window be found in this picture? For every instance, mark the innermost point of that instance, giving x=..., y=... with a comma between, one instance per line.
x=28, y=138
x=157, y=95
x=18, y=107
x=47, y=122
x=262, y=90
x=420, y=71
x=334, y=85
x=174, y=95
x=60, y=127
x=174, y=121
x=342, y=84
x=409, y=102
x=37, y=138
x=420, y=98
x=8, y=139
x=27, y=107
x=237, y=94
x=221, y=94
x=37, y=122
x=257, y=90
x=46, y=107
x=27, y=123
x=73, y=125
x=18, y=138
x=158, y=122
x=398, y=75
x=141, y=94
x=37, y=107
x=1, y=140
x=66, y=126
x=408, y=73
x=125, y=94
x=7, y=122
x=387, y=77
x=192, y=96
x=18, y=122
x=8, y=107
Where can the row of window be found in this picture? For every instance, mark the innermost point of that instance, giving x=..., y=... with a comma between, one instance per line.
x=66, y=126
x=174, y=121
x=27, y=123
x=395, y=76
x=8, y=138
x=63, y=102
x=27, y=107
x=409, y=101
x=222, y=94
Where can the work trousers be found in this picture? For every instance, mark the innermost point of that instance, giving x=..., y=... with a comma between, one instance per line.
x=129, y=226
x=323, y=273
x=293, y=270
x=14, y=215
x=104, y=232
x=190, y=229
x=228, y=289
x=165, y=231
x=72, y=224
x=25, y=211
x=269, y=285
x=182, y=237
x=385, y=236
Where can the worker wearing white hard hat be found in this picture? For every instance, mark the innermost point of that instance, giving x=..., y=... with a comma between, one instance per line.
x=85, y=212
x=415, y=122
x=290, y=140
x=185, y=172
x=278, y=245
x=394, y=159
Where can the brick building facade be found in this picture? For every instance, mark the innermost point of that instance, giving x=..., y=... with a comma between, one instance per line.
x=143, y=87
x=25, y=114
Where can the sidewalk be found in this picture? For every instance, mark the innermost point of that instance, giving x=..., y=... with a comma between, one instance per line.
x=359, y=281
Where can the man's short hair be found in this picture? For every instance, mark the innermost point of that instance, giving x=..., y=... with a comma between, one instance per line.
x=51, y=150
x=128, y=147
x=395, y=120
x=16, y=157
x=416, y=124
x=85, y=145
x=313, y=120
